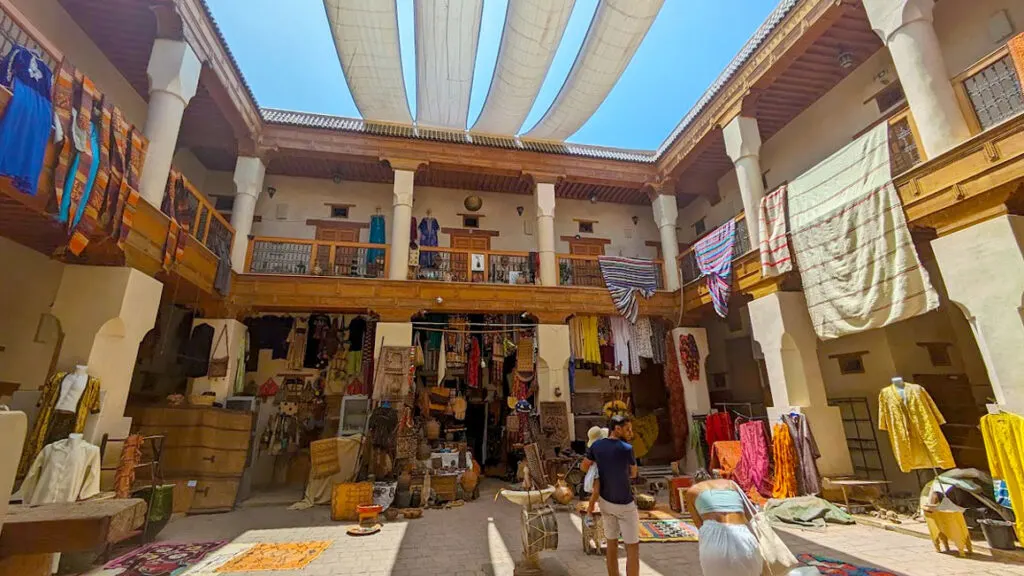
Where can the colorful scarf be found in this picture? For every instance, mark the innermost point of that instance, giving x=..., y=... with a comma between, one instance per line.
x=690, y=356
x=676, y=401
x=714, y=260
x=624, y=278
x=752, y=473
x=784, y=483
x=775, y=255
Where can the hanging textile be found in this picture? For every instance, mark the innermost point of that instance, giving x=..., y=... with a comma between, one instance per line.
x=87, y=222
x=784, y=484
x=585, y=338
x=1004, y=445
x=690, y=356
x=775, y=255
x=177, y=230
x=659, y=335
x=725, y=457
x=640, y=334
x=124, y=476
x=676, y=400
x=428, y=237
x=473, y=367
x=622, y=340
x=698, y=442
x=377, y=236
x=752, y=473
x=854, y=252
x=719, y=428
x=714, y=260
x=297, y=344
x=913, y=422
x=316, y=332
x=27, y=120
x=625, y=277
x=808, y=479
x=368, y=347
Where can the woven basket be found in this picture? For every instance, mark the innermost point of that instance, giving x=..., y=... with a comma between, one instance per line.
x=323, y=456
x=347, y=496
x=406, y=446
x=201, y=400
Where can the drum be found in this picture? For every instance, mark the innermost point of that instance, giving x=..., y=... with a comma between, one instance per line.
x=540, y=530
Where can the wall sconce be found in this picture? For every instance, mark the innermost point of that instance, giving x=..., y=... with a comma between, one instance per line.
x=271, y=191
x=845, y=59
x=337, y=178
x=636, y=220
x=519, y=209
x=593, y=198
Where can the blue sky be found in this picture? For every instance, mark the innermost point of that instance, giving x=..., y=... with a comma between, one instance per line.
x=286, y=53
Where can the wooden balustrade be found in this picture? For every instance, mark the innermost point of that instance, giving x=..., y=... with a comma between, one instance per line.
x=478, y=266
x=15, y=28
x=585, y=271
x=300, y=257
x=196, y=212
x=688, y=259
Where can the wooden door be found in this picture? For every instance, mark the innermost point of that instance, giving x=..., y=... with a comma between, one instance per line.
x=476, y=243
x=578, y=248
x=333, y=234
x=586, y=272
x=461, y=261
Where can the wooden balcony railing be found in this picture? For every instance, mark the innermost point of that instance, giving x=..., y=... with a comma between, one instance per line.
x=990, y=91
x=204, y=223
x=905, y=150
x=688, y=259
x=585, y=271
x=480, y=266
x=292, y=256
x=16, y=29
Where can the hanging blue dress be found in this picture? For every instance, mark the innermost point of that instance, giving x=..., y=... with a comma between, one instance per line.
x=27, y=121
x=377, y=236
x=428, y=237
x=94, y=167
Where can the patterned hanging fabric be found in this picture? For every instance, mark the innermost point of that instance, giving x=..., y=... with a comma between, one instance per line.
x=676, y=401
x=625, y=277
x=659, y=334
x=784, y=483
x=714, y=259
x=690, y=356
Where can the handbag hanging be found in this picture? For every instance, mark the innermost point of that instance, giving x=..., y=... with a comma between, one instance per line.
x=778, y=560
x=219, y=364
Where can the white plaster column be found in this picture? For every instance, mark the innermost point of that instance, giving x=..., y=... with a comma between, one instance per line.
x=249, y=173
x=906, y=28
x=553, y=368
x=173, y=79
x=545, y=197
x=398, y=263
x=982, y=267
x=780, y=323
x=696, y=394
x=666, y=214
x=743, y=145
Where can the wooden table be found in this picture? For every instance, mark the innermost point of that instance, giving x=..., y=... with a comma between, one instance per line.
x=32, y=533
x=845, y=483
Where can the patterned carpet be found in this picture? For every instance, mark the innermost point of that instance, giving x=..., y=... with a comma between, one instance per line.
x=838, y=567
x=276, y=556
x=161, y=559
x=667, y=531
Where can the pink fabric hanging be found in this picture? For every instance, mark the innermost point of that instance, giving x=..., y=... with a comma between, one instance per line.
x=752, y=471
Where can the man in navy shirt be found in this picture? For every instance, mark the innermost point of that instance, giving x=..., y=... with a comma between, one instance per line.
x=616, y=467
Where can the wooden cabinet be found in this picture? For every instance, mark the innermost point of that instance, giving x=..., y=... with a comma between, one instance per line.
x=205, y=452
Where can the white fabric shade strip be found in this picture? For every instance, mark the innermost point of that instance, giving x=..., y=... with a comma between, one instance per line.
x=366, y=37
x=533, y=30
x=615, y=33
x=447, y=33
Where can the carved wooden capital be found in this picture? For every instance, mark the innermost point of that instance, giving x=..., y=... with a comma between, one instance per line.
x=404, y=163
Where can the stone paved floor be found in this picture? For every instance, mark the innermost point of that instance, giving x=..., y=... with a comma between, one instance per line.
x=482, y=539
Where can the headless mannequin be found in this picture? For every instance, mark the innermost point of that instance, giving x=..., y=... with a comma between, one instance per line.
x=901, y=389
x=71, y=389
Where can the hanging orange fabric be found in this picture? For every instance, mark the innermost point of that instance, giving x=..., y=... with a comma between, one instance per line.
x=784, y=451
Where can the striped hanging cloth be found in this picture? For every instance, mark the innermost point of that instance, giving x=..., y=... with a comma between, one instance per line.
x=624, y=278
x=714, y=259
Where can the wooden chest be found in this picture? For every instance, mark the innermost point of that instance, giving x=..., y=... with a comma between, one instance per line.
x=205, y=452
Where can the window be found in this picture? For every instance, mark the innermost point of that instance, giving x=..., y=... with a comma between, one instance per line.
x=470, y=221
x=850, y=363
x=699, y=227
x=586, y=227
x=339, y=211
x=995, y=93
x=938, y=353
x=890, y=97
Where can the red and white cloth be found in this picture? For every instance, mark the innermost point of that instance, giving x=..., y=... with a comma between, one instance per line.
x=775, y=256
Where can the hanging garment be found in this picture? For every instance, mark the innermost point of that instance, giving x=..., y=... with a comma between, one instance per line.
x=775, y=255
x=65, y=471
x=676, y=401
x=807, y=452
x=92, y=207
x=621, y=335
x=913, y=426
x=784, y=483
x=412, y=232
x=698, y=441
x=267, y=332
x=659, y=335
x=591, y=351
x=714, y=260
x=369, y=343
x=377, y=236
x=88, y=403
x=316, y=333
x=26, y=122
x=690, y=356
x=719, y=428
x=854, y=252
x=473, y=367
x=641, y=337
x=625, y=278
x=428, y=237
x=752, y=472
x=195, y=361
x=1004, y=445
x=297, y=344
x=725, y=457
x=356, y=332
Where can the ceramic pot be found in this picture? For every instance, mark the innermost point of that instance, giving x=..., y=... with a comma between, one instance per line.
x=404, y=480
x=470, y=478
x=433, y=429
x=403, y=498
x=563, y=493
x=423, y=451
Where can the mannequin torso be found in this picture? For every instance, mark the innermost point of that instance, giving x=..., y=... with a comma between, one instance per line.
x=71, y=389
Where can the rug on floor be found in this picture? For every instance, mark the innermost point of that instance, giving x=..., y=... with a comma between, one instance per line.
x=667, y=531
x=838, y=567
x=276, y=556
x=162, y=558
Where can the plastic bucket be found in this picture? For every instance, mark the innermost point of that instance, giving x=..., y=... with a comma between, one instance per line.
x=998, y=533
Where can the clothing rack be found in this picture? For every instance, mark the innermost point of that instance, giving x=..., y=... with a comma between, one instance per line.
x=156, y=476
x=728, y=407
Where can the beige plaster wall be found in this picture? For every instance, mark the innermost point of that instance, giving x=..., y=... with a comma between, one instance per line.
x=190, y=166
x=59, y=28
x=962, y=28
x=308, y=198
x=27, y=291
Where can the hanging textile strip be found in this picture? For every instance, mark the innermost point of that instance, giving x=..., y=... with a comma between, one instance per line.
x=714, y=260
x=63, y=102
x=659, y=335
x=640, y=334
x=128, y=196
x=808, y=480
x=719, y=428
x=89, y=224
x=118, y=147
x=784, y=483
x=875, y=278
x=82, y=134
x=690, y=356
x=752, y=473
x=27, y=120
x=124, y=476
x=174, y=245
x=625, y=277
x=1004, y=444
x=676, y=400
x=775, y=255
